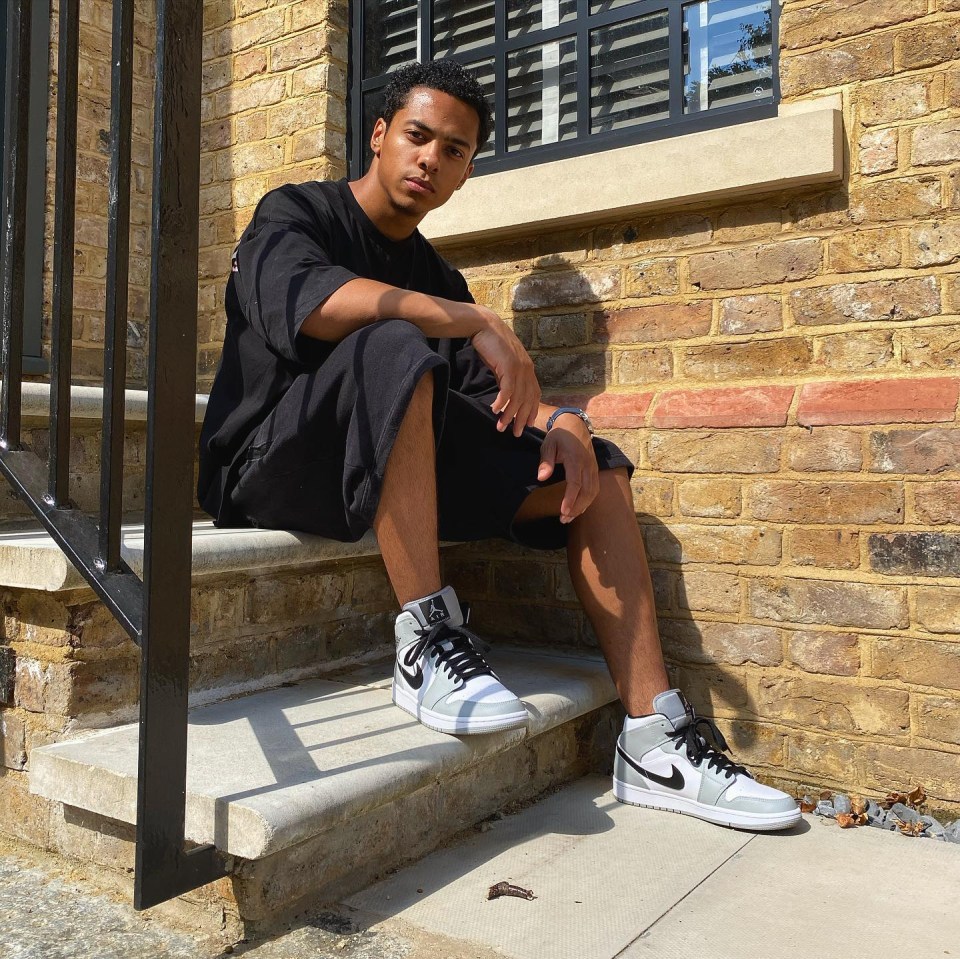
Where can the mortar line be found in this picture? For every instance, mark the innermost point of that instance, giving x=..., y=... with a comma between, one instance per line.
x=692, y=889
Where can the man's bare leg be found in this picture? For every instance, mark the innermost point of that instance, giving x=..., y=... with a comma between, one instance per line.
x=406, y=520
x=608, y=566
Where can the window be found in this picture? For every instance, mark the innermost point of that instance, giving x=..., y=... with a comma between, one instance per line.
x=568, y=77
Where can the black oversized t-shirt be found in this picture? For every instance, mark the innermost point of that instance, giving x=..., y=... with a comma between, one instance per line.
x=304, y=242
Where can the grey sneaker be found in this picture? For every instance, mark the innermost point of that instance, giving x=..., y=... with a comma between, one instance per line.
x=440, y=676
x=664, y=762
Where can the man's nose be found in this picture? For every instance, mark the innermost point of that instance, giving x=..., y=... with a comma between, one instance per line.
x=429, y=156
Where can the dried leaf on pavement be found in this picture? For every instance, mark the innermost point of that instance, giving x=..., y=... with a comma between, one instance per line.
x=847, y=820
x=807, y=805
x=499, y=889
x=858, y=805
x=916, y=797
x=911, y=828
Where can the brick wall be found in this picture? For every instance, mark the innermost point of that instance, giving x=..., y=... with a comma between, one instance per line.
x=274, y=112
x=93, y=172
x=784, y=373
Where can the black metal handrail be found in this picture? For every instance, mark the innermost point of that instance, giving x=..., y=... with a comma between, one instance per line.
x=154, y=610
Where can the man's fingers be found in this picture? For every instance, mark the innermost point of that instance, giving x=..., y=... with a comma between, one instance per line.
x=570, y=496
x=548, y=459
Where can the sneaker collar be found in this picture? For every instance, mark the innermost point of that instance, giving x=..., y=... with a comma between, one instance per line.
x=673, y=706
x=441, y=607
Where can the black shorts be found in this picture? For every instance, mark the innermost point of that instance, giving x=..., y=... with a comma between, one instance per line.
x=317, y=462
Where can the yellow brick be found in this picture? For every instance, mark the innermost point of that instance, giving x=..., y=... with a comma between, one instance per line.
x=835, y=706
x=865, y=250
x=710, y=497
x=824, y=548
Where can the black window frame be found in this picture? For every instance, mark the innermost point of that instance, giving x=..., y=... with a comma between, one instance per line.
x=33, y=360
x=586, y=143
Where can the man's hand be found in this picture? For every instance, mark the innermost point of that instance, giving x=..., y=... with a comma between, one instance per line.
x=568, y=442
x=519, y=398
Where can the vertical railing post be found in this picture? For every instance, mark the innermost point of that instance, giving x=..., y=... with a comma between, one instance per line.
x=13, y=232
x=161, y=864
x=63, y=251
x=118, y=258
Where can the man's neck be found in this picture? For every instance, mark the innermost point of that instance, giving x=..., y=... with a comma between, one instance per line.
x=391, y=222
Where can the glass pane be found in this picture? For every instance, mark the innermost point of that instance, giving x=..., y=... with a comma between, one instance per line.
x=602, y=6
x=372, y=109
x=389, y=35
x=629, y=73
x=727, y=54
x=526, y=15
x=542, y=95
x=460, y=26
x=483, y=71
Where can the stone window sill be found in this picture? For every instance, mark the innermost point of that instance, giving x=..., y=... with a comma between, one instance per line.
x=801, y=146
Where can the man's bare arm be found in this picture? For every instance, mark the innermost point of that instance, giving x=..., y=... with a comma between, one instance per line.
x=361, y=302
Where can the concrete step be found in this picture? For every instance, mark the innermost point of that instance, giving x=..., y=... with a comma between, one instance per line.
x=319, y=787
x=29, y=558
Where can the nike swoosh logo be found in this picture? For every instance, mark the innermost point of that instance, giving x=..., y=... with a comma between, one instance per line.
x=673, y=781
x=415, y=679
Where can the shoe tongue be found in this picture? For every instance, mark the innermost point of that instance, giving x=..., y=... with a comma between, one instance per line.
x=442, y=607
x=672, y=705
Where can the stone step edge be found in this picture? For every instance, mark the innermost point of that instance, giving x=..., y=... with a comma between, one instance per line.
x=271, y=770
x=29, y=559
x=86, y=402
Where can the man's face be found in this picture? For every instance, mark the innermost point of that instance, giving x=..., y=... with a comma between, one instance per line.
x=424, y=155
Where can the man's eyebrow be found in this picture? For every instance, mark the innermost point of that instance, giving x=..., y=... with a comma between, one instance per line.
x=426, y=129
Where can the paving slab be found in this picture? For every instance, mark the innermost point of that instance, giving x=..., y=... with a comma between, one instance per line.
x=829, y=892
x=269, y=770
x=617, y=882
x=601, y=871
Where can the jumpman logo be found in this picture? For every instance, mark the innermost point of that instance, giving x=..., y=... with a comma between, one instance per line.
x=434, y=610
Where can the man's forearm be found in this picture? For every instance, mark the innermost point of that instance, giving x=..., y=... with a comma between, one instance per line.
x=362, y=302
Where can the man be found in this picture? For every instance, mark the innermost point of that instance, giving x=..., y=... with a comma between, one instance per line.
x=360, y=386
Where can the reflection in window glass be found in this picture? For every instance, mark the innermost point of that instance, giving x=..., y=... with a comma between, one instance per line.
x=542, y=95
x=727, y=54
x=526, y=15
x=483, y=71
x=629, y=73
x=372, y=109
x=602, y=6
x=460, y=26
x=390, y=34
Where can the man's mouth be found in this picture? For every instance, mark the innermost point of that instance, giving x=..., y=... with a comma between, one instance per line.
x=421, y=186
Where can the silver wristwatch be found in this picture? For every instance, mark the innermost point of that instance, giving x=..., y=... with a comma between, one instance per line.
x=571, y=409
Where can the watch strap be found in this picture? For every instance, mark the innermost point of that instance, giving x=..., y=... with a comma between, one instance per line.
x=570, y=409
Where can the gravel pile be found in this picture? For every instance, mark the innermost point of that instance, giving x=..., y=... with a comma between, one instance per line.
x=898, y=812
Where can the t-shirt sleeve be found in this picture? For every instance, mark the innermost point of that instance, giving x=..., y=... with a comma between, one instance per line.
x=284, y=270
x=470, y=375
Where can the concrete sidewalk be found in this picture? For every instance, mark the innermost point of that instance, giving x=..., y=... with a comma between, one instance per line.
x=616, y=881
x=610, y=881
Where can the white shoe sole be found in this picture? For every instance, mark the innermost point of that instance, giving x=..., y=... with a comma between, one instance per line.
x=762, y=822
x=456, y=725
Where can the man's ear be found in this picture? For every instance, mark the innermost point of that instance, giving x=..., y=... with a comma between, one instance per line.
x=376, y=138
x=466, y=176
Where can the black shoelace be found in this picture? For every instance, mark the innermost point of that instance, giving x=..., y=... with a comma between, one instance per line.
x=460, y=659
x=699, y=749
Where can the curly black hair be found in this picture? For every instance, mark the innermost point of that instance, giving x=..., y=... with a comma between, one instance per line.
x=447, y=76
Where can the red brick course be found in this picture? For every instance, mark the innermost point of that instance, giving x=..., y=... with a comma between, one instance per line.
x=735, y=406
x=879, y=401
